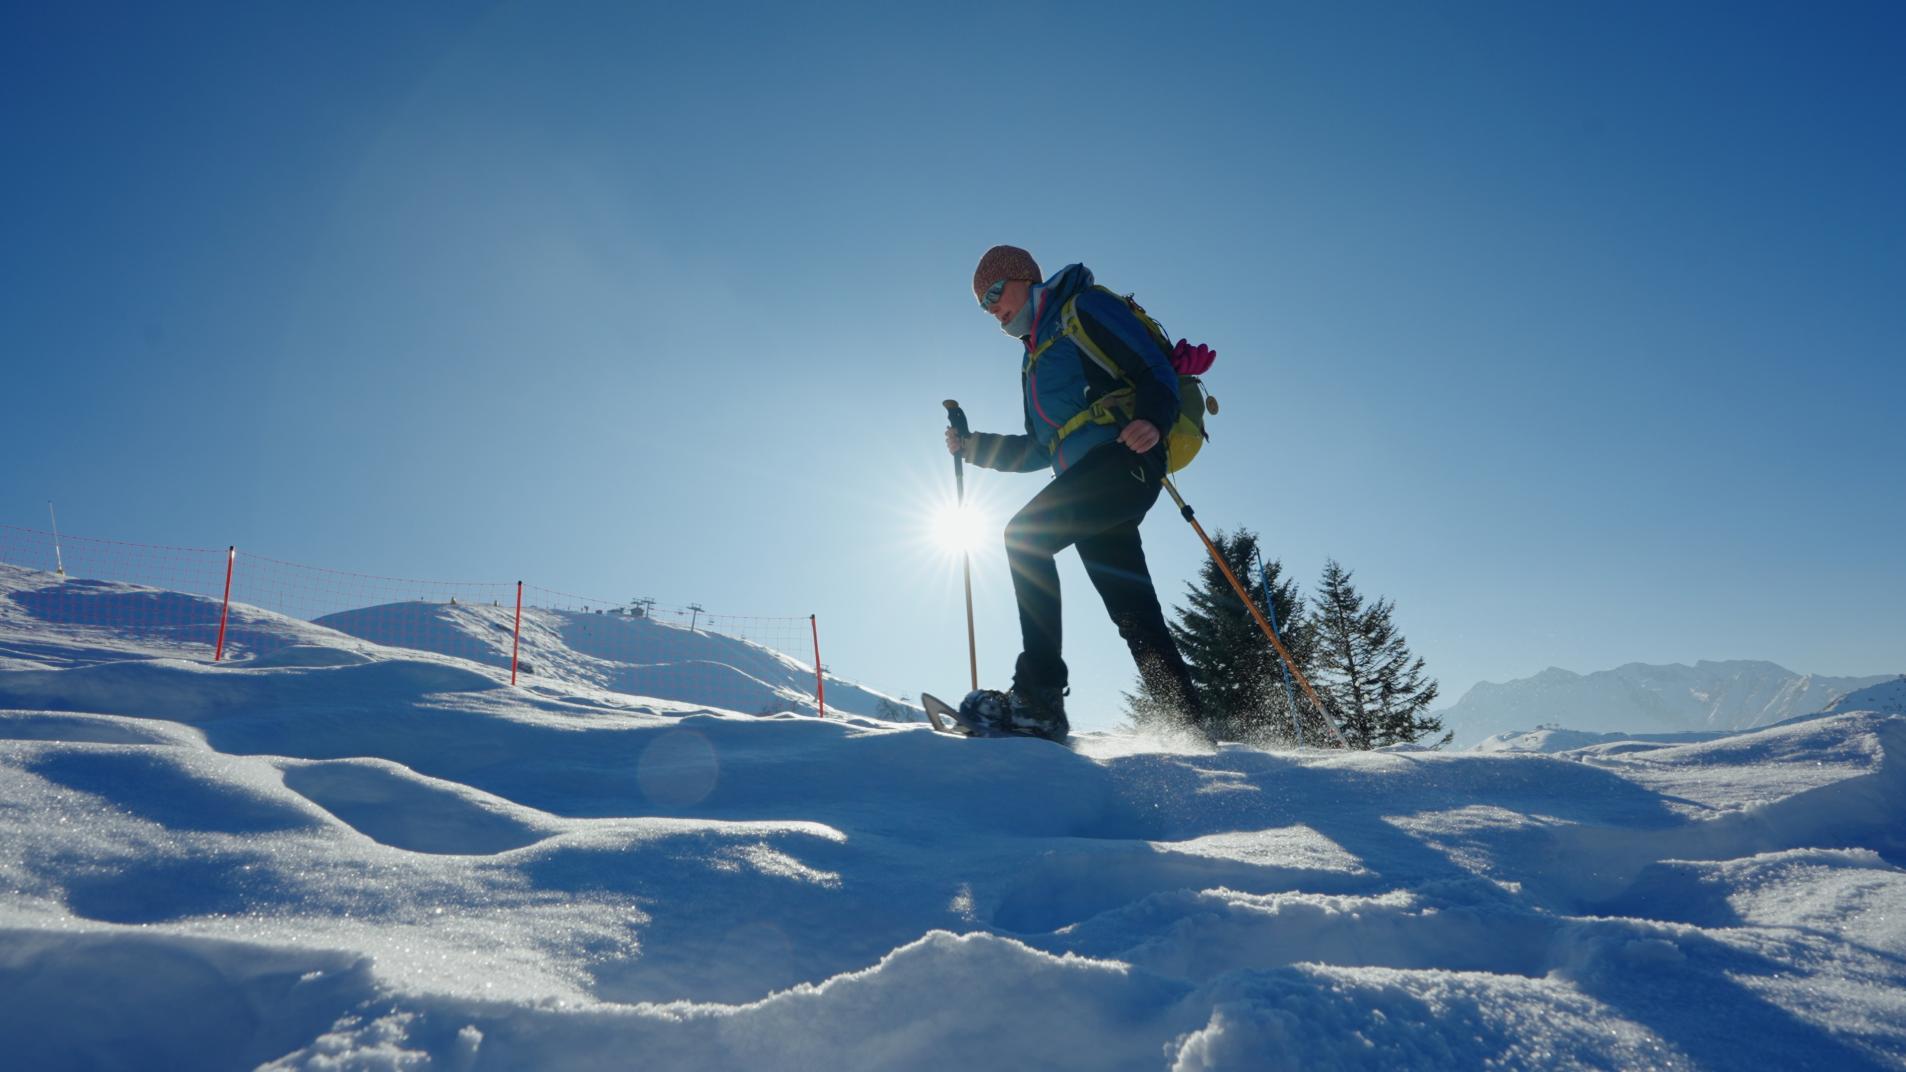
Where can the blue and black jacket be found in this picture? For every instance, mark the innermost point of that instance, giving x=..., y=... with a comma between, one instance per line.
x=1063, y=382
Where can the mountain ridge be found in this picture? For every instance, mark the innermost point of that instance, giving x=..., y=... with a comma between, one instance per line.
x=1707, y=696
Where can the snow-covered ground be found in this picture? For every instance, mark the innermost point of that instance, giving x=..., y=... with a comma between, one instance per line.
x=348, y=856
x=635, y=656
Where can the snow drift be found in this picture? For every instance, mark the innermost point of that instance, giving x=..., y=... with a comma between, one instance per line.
x=355, y=856
x=632, y=655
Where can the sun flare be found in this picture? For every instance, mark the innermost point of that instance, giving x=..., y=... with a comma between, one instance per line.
x=948, y=534
x=960, y=528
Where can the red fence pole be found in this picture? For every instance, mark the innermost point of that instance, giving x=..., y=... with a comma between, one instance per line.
x=820, y=677
x=231, y=555
x=516, y=639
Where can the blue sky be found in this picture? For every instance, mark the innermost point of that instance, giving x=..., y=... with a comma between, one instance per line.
x=1576, y=330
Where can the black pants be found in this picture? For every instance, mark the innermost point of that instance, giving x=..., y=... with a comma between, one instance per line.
x=1095, y=505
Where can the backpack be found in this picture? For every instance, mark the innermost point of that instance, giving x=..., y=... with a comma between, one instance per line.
x=1187, y=434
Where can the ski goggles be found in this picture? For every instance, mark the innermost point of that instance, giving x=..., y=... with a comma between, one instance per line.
x=992, y=295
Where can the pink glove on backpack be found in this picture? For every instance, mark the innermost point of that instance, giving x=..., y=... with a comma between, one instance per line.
x=1191, y=360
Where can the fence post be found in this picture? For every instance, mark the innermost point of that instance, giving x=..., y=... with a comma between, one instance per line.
x=231, y=555
x=59, y=560
x=516, y=637
x=820, y=676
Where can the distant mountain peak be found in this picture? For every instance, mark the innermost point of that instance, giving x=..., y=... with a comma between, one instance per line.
x=1711, y=695
x=1745, y=664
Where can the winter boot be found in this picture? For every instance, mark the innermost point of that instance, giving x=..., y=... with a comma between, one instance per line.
x=1038, y=711
x=983, y=712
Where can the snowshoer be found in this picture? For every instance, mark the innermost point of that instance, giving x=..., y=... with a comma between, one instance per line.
x=1106, y=478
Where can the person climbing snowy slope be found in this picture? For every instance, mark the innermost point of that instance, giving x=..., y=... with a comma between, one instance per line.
x=1109, y=463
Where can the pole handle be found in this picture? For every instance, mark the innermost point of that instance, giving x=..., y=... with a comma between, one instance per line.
x=957, y=418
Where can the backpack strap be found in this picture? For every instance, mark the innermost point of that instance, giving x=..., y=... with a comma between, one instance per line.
x=1115, y=406
x=1071, y=326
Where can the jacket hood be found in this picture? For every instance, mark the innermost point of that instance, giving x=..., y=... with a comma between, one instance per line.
x=1053, y=294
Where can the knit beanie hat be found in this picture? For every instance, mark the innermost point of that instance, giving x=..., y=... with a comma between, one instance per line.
x=1005, y=262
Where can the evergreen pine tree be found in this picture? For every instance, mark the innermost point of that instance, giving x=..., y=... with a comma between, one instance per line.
x=1235, y=669
x=1298, y=630
x=1376, y=691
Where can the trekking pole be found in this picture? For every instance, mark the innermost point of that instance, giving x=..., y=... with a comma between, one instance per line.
x=1270, y=607
x=957, y=418
x=1238, y=587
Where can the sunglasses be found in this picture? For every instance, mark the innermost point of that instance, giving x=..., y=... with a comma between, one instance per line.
x=993, y=294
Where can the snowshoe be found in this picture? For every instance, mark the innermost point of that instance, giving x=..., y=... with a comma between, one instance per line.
x=1021, y=712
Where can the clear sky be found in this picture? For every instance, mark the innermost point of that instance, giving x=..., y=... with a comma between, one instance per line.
x=1575, y=329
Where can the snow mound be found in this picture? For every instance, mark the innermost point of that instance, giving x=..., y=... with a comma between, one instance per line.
x=340, y=854
x=617, y=652
x=1550, y=740
x=1887, y=696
